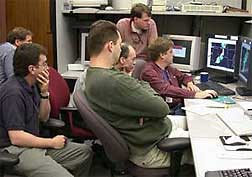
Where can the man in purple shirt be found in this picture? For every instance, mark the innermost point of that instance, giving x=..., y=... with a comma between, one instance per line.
x=167, y=80
x=139, y=30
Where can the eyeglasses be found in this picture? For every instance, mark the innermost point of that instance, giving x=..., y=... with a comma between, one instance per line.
x=44, y=65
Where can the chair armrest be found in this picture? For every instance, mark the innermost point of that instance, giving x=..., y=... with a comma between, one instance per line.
x=174, y=144
x=68, y=109
x=54, y=123
x=7, y=159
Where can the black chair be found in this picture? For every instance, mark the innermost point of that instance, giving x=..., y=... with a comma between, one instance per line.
x=7, y=160
x=116, y=148
x=138, y=68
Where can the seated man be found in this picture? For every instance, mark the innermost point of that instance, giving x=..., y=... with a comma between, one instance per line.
x=125, y=64
x=24, y=100
x=167, y=80
x=139, y=30
x=129, y=105
x=15, y=38
x=126, y=60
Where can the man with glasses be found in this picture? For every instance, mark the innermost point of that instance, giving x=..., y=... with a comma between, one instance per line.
x=139, y=30
x=15, y=38
x=24, y=101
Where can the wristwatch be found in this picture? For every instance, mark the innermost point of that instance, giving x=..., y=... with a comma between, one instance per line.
x=44, y=95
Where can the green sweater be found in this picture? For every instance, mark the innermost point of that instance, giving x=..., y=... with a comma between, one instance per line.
x=122, y=100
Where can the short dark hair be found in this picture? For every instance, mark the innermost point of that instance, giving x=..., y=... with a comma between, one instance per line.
x=124, y=50
x=19, y=33
x=159, y=46
x=25, y=55
x=138, y=9
x=101, y=32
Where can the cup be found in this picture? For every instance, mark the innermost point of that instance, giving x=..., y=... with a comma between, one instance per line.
x=203, y=76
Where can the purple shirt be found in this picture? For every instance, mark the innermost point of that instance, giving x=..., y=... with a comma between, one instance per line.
x=19, y=107
x=167, y=85
x=139, y=41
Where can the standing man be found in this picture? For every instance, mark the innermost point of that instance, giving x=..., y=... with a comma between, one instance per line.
x=24, y=101
x=166, y=80
x=15, y=38
x=139, y=30
x=130, y=106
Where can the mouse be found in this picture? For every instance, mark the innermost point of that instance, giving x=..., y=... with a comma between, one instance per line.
x=235, y=140
x=213, y=96
x=109, y=8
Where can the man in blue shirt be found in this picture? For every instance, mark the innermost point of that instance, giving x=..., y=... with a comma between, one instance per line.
x=24, y=101
x=15, y=38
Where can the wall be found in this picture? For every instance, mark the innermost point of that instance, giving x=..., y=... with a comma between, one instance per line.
x=2, y=21
x=35, y=16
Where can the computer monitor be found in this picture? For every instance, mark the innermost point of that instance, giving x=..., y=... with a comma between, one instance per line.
x=245, y=64
x=85, y=58
x=221, y=57
x=186, y=52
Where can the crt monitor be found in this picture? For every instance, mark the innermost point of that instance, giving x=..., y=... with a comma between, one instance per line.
x=245, y=64
x=85, y=58
x=186, y=52
x=221, y=57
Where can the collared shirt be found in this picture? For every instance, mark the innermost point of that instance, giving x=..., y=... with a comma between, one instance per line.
x=7, y=51
x=171, y=87
x=139, y=41
x=19, y=107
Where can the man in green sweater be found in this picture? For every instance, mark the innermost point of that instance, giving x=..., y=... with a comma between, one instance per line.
x=129, y=105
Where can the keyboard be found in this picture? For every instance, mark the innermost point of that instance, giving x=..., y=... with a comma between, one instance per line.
x=242, y=172
x=220, y=89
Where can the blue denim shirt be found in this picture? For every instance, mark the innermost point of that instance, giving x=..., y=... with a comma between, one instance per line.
x=7, y=51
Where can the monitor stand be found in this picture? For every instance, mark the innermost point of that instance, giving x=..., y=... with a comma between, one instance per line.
x=223, y=79
x=243, y=91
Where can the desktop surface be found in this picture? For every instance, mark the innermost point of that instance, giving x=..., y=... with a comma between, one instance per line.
x=208, y=151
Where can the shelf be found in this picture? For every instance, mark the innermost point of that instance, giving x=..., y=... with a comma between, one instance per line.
x=97, y=11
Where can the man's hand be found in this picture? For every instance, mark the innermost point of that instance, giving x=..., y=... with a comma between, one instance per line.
x=206, y=94
x=43, y=80
x=58, y=142
x=192, y=87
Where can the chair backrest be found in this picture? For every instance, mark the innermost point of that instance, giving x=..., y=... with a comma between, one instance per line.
x=59, y=92
x=138, y=68
x=114, y=145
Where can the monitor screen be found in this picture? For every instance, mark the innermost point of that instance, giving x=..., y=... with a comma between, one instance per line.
x=221, y=52
x=85, y=58
x=244, y=61
x=186, y=52
x=182, y=51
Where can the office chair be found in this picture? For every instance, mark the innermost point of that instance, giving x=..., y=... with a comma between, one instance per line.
x=116, y=148
x=138, y=68
x=7, y=160
x=59, y=100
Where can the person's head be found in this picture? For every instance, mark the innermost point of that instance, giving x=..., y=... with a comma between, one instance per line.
x=19, y=35
x=161, y=50
x=140, y=14
x=104, y=37
x=127, y=57
x=29, y=58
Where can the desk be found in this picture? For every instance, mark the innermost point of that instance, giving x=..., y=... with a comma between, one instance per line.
x=208, y=152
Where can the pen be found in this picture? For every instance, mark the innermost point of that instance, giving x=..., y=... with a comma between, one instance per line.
x=250, y=109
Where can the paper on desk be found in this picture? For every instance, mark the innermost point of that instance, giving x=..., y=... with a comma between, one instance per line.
x=206, y=108
x=245, y=104
x=235, y=154
x=237, y=121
